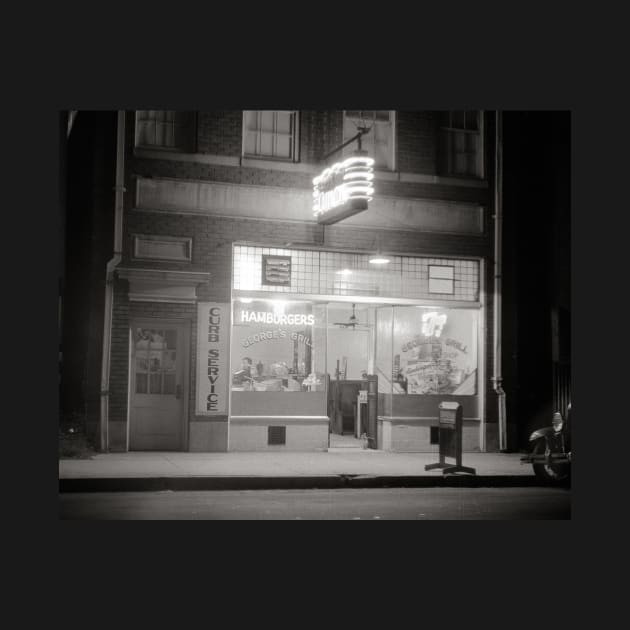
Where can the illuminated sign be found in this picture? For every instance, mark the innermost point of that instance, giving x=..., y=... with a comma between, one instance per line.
x=343, y=189
x=268, y=335
x=266, y=317
x=276, y=270
x=432, y=324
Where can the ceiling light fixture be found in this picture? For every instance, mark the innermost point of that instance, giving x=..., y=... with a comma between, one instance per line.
x=379, y=259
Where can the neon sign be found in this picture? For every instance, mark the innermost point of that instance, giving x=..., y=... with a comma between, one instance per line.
x=276, y=334
x=264, y=317
x=432, y=324
x=343, y=189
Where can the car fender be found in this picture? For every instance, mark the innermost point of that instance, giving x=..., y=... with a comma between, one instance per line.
x=541, y=433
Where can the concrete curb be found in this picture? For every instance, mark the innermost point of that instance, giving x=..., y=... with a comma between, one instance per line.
x=139, y=484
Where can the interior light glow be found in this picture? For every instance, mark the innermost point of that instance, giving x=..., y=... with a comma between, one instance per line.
x=246, y=300
x=433, y=323
x=278, y=306
x=345, y=272
x=247, y=273
x=379, y=260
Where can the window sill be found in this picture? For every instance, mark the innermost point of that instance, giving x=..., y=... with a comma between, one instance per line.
x=443, y=180
x=158, y=148
x=278, y=165
x=203, y=158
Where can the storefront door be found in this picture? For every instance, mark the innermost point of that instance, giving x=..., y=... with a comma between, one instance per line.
x=158, y=385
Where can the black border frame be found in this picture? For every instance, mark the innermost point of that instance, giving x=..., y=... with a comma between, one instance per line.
x=530, y=59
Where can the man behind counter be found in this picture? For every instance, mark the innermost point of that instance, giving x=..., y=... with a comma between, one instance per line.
x=245, y=373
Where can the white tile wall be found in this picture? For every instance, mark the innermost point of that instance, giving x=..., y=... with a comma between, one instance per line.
x=316, y=272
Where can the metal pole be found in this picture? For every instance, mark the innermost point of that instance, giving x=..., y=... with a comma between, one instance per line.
x=361, y=132
x=109, y=280
x=498, y=254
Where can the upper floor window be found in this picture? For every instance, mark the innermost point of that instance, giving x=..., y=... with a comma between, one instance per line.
x=270, y=134
x=378, y=142
x=461, y=145
x=164, y=129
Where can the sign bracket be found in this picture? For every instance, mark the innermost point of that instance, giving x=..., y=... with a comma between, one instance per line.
x=357, y=137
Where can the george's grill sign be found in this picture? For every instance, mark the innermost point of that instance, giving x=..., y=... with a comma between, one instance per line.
x=343, y=189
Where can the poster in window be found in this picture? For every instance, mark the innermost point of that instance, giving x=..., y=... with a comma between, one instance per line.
x=436, y=351
x=276, y=270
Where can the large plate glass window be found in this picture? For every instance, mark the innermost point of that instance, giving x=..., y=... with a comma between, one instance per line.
x=435, y=351
x=278, y=346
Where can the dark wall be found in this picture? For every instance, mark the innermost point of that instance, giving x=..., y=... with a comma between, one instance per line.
x=89, y=214
x=536, y=279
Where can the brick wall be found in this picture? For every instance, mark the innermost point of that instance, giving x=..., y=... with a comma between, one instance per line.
x=213, y=237
x=417, y=142
x=320, y=132
x=119, y=366
x=212, y=249
x=124, y=313
x=304, y=181
x=219, y=132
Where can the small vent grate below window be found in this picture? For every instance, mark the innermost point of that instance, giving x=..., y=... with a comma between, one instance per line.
x=276, y=435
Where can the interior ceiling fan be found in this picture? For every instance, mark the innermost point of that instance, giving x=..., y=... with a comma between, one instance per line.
x=352, y=322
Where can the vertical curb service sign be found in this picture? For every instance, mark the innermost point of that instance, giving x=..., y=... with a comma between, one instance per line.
x=213, y=329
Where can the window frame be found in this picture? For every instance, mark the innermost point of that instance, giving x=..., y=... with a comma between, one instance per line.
x=480, y=170
x=161, y=370
x=185, y=144
x=295, y=141
x=392, y=122
x=442, y=278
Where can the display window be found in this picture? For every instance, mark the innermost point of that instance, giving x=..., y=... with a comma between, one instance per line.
x=278, y=346
x=311, y=329
x=434, y=351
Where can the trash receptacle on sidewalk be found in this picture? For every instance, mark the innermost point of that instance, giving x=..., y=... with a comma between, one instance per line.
x=450, y=439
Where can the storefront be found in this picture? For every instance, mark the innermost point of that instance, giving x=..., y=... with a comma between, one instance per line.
x=307, y=330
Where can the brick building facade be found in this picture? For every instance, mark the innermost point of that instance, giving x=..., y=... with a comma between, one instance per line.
x=197, y=192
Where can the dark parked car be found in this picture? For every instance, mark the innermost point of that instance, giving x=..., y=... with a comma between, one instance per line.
x=550, y=453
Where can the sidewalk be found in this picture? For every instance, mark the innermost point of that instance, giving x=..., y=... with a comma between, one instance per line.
x=277, y=470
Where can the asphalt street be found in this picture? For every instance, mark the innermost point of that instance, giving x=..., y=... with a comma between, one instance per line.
x=340, y=504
